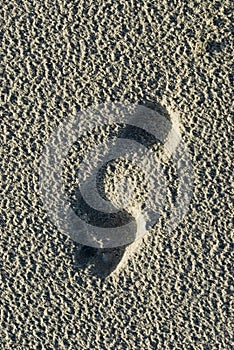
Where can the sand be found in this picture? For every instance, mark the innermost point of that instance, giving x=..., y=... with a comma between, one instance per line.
x=166, y=291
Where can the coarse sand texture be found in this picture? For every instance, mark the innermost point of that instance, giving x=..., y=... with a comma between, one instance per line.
x=116, y=175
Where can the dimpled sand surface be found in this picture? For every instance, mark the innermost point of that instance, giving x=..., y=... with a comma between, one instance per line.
x=59, y=57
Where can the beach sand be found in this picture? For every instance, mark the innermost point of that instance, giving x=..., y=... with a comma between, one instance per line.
x=171, y=291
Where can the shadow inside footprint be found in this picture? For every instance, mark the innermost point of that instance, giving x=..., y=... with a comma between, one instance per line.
x=85, y=254
x=100, y=262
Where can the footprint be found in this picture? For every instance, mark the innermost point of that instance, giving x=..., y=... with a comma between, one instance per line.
x=100, y=262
